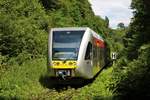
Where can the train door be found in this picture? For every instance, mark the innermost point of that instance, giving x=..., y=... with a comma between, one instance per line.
x=88, y=54
x=88, y=59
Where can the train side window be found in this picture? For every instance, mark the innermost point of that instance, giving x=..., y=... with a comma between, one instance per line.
x=88, y=51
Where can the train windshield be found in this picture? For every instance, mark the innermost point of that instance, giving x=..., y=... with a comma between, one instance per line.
x=66, y=44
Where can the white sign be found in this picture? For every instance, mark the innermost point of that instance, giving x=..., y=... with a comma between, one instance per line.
x=114, y=55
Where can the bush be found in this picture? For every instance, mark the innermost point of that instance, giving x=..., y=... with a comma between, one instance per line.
x=135, y=77
x=22, y=82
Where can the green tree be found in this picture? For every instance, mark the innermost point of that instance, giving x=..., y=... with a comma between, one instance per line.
x=139, y=28
x=132, y=71
x=121, y=25
x=107, y=21
x=24, y=24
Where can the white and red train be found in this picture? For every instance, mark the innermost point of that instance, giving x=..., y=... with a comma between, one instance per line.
x=76, y=52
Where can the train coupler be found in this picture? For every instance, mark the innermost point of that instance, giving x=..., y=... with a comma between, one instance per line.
x=63, y=73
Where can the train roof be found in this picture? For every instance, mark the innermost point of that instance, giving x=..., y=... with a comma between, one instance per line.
x=69, y=28
x=78, y=28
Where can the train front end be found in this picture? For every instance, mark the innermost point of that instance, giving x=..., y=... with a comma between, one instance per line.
x=63, y=50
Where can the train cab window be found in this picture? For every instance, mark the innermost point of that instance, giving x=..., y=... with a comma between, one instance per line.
x=88, y=51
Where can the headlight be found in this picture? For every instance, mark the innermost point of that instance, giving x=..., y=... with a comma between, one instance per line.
x=74, y=63
x=56, y=63
x=70, y=63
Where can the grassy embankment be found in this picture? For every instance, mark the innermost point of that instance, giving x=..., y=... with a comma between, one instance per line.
x=22, y=82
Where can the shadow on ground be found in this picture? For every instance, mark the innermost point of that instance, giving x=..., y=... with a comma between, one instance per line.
x=59, y=84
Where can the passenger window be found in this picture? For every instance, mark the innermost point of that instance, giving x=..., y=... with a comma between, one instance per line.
x=88, y=51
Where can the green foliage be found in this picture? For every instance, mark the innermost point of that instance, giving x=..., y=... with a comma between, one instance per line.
x=121, y=25
x=135, y=77
x=115, y=40
x=98, y=89
x=139, y=28
x=3, y=64
x=24, y=26
x=131, y=75
x=50, y=4
x=107, y=21
x=22, y=82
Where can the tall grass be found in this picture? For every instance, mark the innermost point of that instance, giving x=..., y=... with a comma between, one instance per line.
x=22, y=82
x=98, y=89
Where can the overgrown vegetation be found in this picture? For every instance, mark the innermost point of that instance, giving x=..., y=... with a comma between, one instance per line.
x=22, y=82
x=132, y=70
x=24, y=27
